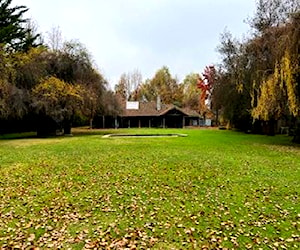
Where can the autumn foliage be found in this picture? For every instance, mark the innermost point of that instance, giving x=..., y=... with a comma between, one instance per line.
x=206, y=84
x=257, y=86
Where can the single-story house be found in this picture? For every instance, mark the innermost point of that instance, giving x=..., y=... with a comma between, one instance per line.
x=156, y=114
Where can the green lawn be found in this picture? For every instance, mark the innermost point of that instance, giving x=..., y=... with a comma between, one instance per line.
x=212, y=189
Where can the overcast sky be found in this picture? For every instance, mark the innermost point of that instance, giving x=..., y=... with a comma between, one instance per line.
x=123, y=35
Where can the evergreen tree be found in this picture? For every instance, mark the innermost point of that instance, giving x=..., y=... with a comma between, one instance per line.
x=15, y=32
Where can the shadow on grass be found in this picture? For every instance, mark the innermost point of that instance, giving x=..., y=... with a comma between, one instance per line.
x=87, y=131
x=278, y=140
x=76, y=132
x=14, y=136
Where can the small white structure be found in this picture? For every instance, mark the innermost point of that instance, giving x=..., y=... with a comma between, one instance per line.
x=132, y=105
x=208, y=122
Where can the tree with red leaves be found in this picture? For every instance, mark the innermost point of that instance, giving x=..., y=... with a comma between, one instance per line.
x=206, y=83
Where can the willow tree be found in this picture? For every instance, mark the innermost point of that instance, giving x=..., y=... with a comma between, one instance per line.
x=262, y=72
x=279, y=92
x=14, y=99
x=271, y=105
x=58, y=100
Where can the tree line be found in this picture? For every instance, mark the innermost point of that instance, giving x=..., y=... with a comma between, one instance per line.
x=46, y=86
x=255, y=86
x=258, y=79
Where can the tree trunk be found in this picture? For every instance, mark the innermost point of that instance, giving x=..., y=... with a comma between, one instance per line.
x=45, y=126
x=271, y=127
x=67, y=127
x=296, y=138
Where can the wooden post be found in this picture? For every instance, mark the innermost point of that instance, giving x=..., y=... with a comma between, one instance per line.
x=164, y=122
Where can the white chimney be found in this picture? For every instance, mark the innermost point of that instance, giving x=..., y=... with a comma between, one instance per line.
x=158, y=103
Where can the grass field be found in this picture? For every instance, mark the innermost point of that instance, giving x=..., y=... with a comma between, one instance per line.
x=212, y=189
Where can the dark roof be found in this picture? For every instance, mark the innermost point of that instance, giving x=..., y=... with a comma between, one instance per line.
x=150, y=109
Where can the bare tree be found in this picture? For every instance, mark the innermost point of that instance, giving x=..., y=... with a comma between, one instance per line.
x=128, y=83
x=136, y=79
x=273, y=13
x=54, y=39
